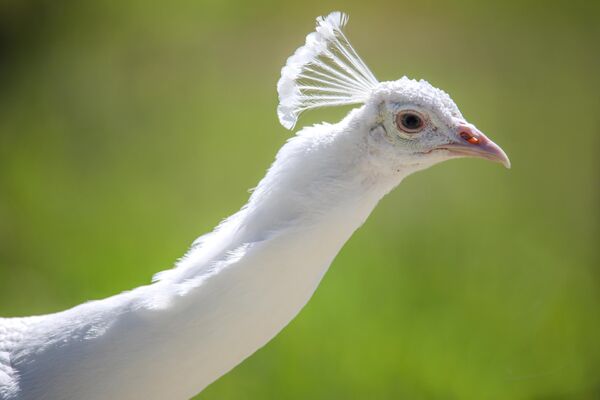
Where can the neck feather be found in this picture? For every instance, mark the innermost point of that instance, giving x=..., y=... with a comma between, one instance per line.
x=322, y=171
x=235, y=289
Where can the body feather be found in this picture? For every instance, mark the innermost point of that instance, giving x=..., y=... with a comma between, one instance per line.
x=197, y=321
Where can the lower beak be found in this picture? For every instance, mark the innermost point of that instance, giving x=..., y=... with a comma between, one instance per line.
x=473, y=143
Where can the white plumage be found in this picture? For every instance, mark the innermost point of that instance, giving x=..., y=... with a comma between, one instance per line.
x=239, y=285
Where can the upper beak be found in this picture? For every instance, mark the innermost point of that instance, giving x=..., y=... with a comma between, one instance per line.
x=473, y=143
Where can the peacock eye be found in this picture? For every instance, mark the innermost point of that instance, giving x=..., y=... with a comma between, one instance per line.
x=409, y=121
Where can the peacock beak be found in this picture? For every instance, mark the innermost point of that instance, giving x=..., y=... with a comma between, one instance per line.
x=472, y=143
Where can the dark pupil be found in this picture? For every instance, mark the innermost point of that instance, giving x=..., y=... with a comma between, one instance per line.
x=411, y=121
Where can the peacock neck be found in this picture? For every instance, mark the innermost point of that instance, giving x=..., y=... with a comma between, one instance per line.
x=234, y=290
x=242, y=284
x=321, y=174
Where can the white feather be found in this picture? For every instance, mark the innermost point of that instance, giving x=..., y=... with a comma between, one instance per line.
x=228, y=297
x=326, y=71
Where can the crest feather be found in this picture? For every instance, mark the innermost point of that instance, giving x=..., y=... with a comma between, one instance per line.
x=326, y=71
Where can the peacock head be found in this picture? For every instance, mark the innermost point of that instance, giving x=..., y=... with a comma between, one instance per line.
x=410, y=123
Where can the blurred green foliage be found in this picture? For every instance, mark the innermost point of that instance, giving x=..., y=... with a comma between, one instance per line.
x=129, y=128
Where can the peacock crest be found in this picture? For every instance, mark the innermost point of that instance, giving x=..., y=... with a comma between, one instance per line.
x=326, y=71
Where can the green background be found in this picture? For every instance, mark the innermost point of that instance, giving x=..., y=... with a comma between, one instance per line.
x=129, y=128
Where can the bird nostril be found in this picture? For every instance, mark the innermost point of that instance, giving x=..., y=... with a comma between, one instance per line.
x=469, y=137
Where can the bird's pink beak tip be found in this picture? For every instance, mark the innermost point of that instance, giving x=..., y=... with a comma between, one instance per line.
x=473, y=143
